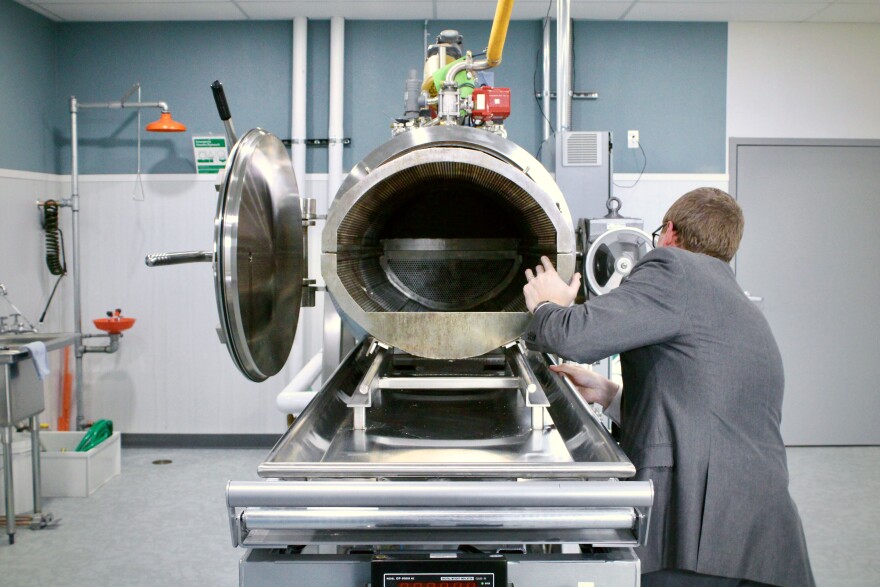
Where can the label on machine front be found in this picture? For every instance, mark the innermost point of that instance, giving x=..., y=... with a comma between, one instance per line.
x=459, y=570
x=438, y=580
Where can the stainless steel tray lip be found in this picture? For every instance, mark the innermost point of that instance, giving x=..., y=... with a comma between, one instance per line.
x=321, y=443
x=447, y=470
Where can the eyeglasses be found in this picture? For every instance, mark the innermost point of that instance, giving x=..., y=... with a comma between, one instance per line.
x=656, y=235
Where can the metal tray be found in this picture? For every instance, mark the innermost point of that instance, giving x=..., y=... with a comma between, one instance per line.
x=446, y=434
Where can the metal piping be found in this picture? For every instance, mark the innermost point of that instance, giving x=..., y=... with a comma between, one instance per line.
x=563, y=66
x=117, y=105
x=545, y=87
x=79, y=347
x=75, y=263
x=299, y=97
x=337, y=87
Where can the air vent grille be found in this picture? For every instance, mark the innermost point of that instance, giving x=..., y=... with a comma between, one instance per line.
x=581, y=149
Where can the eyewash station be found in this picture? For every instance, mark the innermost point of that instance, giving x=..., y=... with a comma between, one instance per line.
x=24, y=346
x=437, y=431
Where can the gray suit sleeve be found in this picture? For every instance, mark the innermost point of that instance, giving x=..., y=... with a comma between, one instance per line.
x=647, y=308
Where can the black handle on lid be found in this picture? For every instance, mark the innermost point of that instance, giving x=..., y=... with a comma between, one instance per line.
x=220, y=99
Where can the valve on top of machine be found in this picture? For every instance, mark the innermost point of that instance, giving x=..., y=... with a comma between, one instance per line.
x=447, y=92
x=491, y=104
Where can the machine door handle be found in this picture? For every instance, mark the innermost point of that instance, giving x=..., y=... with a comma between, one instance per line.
x=163, y=259
x=223, y=111
x=220, y=100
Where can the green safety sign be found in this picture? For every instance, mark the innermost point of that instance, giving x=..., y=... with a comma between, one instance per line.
x=210, y=153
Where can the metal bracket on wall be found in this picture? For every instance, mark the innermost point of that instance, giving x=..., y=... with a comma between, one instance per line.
x=574, y=95
x=316, y=142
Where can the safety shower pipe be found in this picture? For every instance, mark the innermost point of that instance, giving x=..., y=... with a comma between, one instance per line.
x=545, y=86
x=79, y=346
x=298, y=93
x=563, y=66
x=337, y=87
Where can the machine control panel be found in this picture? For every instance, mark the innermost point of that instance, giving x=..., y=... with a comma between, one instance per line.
x=444, y=570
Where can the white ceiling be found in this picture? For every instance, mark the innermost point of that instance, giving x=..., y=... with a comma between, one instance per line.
x=864, y=11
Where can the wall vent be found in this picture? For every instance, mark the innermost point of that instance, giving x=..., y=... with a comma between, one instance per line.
x=581, y=148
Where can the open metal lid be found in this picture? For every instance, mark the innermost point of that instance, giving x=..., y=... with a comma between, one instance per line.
x=258, y=255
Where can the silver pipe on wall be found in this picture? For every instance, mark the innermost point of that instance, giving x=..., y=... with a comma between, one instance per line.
x=298, y=99
x=545, y=87
x=119, y=105
x=337, y=87
x=75, y=264
x=563, y=65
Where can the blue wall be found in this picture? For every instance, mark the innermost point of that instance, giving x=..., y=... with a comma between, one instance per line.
x=668, y=80
x=174, y=62
x=27, y=86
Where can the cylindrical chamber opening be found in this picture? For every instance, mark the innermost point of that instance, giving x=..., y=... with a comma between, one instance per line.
x=442, y=236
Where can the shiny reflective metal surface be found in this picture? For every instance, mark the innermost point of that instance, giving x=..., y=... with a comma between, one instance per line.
x=263, y=514
x=428, y=238
x=10, y=344
x=427, y=519
x=258, y=241
x=612, y=256
x=447, y=433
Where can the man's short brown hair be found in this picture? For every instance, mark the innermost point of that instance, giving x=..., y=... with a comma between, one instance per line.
x=708, y=221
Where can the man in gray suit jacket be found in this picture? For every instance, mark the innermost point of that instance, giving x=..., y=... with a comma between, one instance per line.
x=702, y=404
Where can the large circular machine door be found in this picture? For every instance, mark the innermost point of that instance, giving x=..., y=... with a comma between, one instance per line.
x=258, y=255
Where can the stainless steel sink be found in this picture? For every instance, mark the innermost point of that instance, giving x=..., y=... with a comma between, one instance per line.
x=10, y=344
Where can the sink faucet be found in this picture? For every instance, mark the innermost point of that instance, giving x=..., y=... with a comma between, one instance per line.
x=19, y=324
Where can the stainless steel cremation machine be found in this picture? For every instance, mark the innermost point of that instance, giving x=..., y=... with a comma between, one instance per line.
x=441, y=452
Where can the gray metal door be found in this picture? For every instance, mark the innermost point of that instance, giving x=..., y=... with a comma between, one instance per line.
x=811, y=250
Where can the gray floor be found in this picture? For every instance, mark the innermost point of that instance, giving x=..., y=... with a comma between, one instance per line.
x=166, y=524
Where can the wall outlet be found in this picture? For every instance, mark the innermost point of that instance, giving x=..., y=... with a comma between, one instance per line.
x=632, y=139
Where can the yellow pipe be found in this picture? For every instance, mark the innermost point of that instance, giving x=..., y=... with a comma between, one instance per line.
x=499, y=32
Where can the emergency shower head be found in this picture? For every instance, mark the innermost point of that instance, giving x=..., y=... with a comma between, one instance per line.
x=165, y=124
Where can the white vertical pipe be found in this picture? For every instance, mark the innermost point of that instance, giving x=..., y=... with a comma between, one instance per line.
x=337, y=79
x=298, y=99
x=563, y=65
x=545, y=87
x=298, y=132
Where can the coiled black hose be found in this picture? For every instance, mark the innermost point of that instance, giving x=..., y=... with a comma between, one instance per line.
x=55, y=258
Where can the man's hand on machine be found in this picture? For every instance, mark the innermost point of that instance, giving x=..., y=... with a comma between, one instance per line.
x=594, y=388
x=545, y=285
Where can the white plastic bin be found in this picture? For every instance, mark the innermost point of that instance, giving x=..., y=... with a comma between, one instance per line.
x=22, y=474
x=67, y=473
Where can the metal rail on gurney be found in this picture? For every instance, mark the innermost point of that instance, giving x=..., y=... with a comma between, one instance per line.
x=268, y=514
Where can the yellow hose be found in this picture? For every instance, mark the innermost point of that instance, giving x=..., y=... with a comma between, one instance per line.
x=499, y=32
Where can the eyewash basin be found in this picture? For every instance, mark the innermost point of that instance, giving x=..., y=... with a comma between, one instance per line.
x=113, y=325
